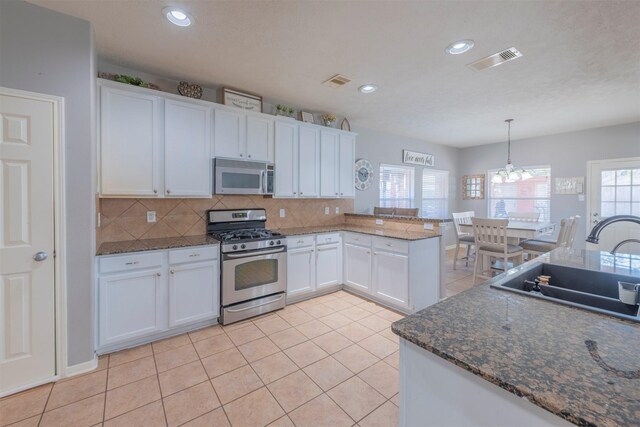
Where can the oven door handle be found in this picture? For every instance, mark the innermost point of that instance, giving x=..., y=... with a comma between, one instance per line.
x=230, y=310
x=252, y=254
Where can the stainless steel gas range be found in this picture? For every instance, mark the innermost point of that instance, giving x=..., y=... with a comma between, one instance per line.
x=253, y=271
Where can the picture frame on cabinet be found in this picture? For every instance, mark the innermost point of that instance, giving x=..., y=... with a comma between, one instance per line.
x=345, y=125
x=243, y=100
x=306, y=117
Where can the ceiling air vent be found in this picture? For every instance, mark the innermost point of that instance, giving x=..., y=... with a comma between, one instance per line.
x=337, y=81
x=496, y=59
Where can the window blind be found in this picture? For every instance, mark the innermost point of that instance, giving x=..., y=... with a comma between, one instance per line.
x=435, y=191
x=396, y=186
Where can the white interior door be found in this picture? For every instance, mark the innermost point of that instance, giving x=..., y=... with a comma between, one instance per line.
x=614, y=189
x=27, y=321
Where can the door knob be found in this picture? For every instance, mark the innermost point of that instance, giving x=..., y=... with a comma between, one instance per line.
x=40, y=256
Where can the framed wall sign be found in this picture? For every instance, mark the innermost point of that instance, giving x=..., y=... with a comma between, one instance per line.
x=415, y=158
x=473, y=187
x=306, y=117
x=246, y=101
x=568, y=185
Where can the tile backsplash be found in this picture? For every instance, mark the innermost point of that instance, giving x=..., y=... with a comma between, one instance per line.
x=126, y=219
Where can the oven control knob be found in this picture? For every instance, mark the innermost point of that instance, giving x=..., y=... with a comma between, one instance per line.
x=242, y=246
x=235, y=247
x=278, y=242
x=271, y=243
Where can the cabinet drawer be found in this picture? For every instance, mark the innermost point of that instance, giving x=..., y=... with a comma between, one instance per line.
x=300, y=241
x=393, y=245
x=193, y=254
x=327, y=238
x=357, y=239
x=130, y=262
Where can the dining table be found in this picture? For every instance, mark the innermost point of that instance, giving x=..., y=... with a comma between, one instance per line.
x=520, y=229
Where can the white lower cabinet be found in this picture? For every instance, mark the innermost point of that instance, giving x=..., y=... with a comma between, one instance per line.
x=130, y=305
x=300, y=270
x=328, y=265
x=357, y=267
x=391, y=277
x=144, y=295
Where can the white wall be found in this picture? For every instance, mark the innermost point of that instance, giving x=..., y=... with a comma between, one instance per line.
x=567, y=153
x=380, y=147
x=48, y=52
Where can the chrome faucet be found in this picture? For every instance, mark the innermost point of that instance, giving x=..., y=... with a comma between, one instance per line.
x=624, y=242
x=594, y=236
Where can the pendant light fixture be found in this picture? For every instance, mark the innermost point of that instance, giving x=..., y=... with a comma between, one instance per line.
x=510, y=173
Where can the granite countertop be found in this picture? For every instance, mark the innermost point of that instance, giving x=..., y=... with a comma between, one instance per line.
x=111, y=248
x=396, y=234
x=579, y=365
x=400, y=217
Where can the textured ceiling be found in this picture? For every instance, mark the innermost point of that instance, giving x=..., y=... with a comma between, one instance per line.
x=581, y=64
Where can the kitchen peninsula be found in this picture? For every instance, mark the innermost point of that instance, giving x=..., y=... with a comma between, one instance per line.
x=490, y=357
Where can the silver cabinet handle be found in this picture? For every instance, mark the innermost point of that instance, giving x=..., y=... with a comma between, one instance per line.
x=132, y=263
x=389, y=244
x=300, y=241
x=240, y=155
x=249, y=156
x=155, y=191
x=301, y=193
x=40, y=256
x=158, y=274
x=194, y=255
x=171, y=271
x=168, y=191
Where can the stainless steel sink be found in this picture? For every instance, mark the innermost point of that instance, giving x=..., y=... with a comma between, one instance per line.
x=587, y=289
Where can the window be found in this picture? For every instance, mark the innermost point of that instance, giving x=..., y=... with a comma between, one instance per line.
x=396, y=186
x=529, y=195
x=435, y=189
x=620, y=192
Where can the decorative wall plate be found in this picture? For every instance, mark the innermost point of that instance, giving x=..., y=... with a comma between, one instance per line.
x=363, y=174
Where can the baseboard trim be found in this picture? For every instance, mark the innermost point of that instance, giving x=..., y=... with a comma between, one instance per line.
x=450, y=247
x=82, y=368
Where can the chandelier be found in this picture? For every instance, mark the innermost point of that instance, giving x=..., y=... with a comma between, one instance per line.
x=510, y=173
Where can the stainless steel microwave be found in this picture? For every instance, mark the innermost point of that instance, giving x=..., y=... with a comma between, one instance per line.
x=242, y=177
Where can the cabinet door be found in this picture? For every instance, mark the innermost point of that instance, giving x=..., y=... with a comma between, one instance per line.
x=328, y=164
x=130, y=305
x=309, y=162
x=229, y=134
x=187, y=142
x=260, y=138
x=286, y=173
x=328, y=265
x=130, y=143
x=358, y=267
x=194, y=291
x=346, y=165
x=300, y=271
x=391, y=277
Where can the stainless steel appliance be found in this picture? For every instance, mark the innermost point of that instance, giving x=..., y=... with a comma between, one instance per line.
x=242, y=177
x=253, y=263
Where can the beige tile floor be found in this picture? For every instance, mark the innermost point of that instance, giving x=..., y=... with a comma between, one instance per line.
x=461, y=278
x=330, y=361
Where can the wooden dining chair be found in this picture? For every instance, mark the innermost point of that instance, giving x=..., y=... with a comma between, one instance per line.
x=462, y=238
x=377, y=210
x=524, y=216
x=564, y=239
x=406, y=211
x=491, y=241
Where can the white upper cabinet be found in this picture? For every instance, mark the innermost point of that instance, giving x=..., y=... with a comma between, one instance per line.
x=187, y=144
x=309, y=161
x=130, y=143
x=328, y=163
x=346, y=165
x=229, y=133
x=286, y=174
x=244, y=136
x=259, y=145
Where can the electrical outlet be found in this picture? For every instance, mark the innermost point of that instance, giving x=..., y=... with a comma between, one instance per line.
x=151, y=216
x=337, y=210
x=282, y=213
x=98, y=220
x=428, y=226
x=581, y=197
x=326, y=210
x=379, y=221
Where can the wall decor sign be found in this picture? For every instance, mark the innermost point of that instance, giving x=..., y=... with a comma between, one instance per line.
x=415, y=158
x=306, y=117
x=246, y=101
x=473, y=187
x=345, y=125
x=568, y=185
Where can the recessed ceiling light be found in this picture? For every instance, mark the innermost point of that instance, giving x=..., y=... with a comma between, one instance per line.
x=368, y=88
x=461, y=46
x=177, y=16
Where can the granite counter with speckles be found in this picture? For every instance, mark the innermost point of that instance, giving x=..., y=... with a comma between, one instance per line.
x=396, y=234
x=127, y=246
x=579, y=365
